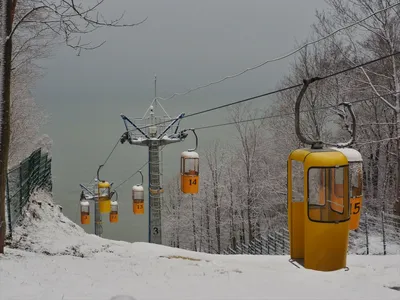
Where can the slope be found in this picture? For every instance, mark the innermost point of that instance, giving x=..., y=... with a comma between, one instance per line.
x=53, y=258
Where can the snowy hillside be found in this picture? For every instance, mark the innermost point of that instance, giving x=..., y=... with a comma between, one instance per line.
x=56, y=259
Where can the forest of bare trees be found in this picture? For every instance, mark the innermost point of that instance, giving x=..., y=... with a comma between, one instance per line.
x=243, y=186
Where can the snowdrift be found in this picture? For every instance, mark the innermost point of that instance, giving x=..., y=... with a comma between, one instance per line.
x=53, y=258
x=45, y=229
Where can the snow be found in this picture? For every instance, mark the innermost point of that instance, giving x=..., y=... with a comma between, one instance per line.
x=352, y=154
x=137, y=188
x=56, y=259
x=189, y=154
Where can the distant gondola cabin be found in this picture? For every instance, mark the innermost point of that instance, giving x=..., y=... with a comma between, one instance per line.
x=138, y=199
x=114, y=212
x=85, y=212
x=190, y=172
x=104, y=197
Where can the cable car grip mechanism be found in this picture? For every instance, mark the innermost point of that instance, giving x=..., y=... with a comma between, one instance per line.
x=302, y=138
x=319, y=144
x=195, y=135
x=141, y=174
x=351, y=130
x=98, y=171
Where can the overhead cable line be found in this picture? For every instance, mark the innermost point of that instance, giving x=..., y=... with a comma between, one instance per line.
x=285, y=55
x=378, y=141
x=270, y=117
x=264, y=63
x=108, y=157
x=289, y=114
x=136, y=172
x=278, y=90
x=260, y=96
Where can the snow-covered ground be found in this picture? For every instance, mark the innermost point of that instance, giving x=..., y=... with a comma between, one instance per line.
x=56, y=259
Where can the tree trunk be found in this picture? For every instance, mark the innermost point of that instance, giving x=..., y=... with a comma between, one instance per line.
x=232, y=221
x=194, y=227
x=249, y=217
x=5, y=120
x=397, y=112
x=376, y=174
x=243, y=232
x=201, y=230
x=179, y=221
x=208, y=232
x=217, y=212
x=249, y=201
x=397, y=202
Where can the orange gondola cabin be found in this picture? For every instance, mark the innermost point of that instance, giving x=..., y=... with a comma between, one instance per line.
x=190, y=172
x=138, y=199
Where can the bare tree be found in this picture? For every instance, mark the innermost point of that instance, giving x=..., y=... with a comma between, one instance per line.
x=250, y=136
x=214, y=158
x=172, y=213
x=194, y=224
x=26, y=119
x=230, y=184
x=180, y=217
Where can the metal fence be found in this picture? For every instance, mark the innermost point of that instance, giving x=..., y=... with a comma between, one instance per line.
x=274, y=243
x=32, y=173
x=377, y=234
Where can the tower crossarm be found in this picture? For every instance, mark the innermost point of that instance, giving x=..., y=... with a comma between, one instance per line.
x=126, y=119
x=178, y=118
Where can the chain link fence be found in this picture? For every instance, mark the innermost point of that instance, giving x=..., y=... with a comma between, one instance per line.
x=377, y=235
x=32, y=173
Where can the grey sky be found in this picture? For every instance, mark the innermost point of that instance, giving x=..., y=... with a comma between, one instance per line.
x=186, y=43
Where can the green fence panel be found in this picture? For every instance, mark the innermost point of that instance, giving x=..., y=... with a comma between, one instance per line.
x=32, y=173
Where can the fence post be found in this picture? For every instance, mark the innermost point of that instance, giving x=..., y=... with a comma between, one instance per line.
x=29, y=181
x=49, y=179
x=288, y=243
x=40, y=181
x=8, y=203
x=366, y=232
x=383, y=233
x=21, y=194
x=43, y=167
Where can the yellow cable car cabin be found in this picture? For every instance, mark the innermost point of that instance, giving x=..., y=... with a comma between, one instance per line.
x=85, y=212
x=104, y=194
x=356, y=184
x=190, y=172
x=318, y=208
x=114, y=212
x=138, y=199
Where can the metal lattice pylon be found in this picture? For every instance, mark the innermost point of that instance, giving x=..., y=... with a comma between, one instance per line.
x=154, y=132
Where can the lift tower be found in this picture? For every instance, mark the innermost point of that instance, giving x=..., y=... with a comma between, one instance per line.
x=154, y=132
